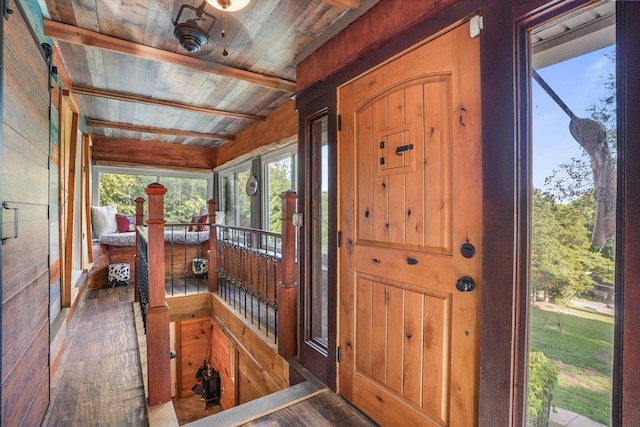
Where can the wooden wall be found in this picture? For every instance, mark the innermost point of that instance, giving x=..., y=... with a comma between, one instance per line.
x=280, y=128
x=193, y=336
x=126, y=152
x=25, y=267
x=249, y=367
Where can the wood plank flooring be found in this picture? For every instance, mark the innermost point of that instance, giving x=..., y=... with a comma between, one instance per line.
x=325, y=409
x=99, y=382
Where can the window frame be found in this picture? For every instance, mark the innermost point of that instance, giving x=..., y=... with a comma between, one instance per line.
x=157, y=173
x=225, y=173
x=291, y=152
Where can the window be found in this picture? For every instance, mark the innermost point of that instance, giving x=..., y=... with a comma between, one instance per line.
x=275, y=172
x=573, y=199
x=278, y=176
x=234, y=200
x=187, y=193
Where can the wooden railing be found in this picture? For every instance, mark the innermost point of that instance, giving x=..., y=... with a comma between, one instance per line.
x=253, y=270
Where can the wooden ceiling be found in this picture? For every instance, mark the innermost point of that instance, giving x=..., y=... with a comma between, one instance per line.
x=133, y=81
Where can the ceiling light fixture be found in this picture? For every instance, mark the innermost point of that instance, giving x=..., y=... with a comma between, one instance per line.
x=189, y=33
x=229, y=5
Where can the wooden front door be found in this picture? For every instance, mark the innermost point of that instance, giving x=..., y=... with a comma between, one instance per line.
x=410, y=194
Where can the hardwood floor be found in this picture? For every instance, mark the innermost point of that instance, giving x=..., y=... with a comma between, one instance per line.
x=99, y=381
x=325, y=409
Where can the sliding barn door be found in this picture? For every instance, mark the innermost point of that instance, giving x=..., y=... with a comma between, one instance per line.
x=411, y=218
x=25, y=224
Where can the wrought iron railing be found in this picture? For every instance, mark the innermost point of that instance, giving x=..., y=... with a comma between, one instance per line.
x=143, y=273
x=247, y=263
x=186, y=267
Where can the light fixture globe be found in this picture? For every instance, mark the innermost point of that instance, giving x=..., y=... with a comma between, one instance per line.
x=229, y=5
x=190, y=36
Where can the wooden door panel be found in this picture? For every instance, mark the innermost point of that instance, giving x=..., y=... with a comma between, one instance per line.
x=410, y=196
x=385, y=129
x=392, y=323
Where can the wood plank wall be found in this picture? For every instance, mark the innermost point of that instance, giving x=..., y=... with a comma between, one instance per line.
x=279, y=129
x=25, y=268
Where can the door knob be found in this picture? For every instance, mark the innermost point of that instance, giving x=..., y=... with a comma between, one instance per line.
x=465, y=284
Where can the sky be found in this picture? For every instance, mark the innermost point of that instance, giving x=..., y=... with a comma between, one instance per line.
x=579, y=82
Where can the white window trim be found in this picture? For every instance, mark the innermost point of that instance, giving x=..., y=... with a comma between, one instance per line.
x=288, y=152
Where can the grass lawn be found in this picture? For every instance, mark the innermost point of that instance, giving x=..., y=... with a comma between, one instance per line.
x=579, y=343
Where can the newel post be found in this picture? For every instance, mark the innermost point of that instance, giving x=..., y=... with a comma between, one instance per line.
x=212, y=252
x=139, y=222
x=158, y=357
x=288, y=281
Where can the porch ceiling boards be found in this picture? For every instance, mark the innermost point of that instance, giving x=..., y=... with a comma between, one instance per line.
x=133, y=79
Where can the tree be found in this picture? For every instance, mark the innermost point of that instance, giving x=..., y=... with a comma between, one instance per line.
x=563, y=262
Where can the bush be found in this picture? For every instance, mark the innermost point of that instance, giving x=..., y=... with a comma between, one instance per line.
x=543, y=377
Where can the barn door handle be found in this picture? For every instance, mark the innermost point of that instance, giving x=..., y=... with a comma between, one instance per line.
x=465, y=284
x=403, y=148
x=16, y=222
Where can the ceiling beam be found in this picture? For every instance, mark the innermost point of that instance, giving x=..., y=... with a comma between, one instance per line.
x=127, y=97
x=150, y=153
x=94, y=123
x=344, y=4
x=81, y=36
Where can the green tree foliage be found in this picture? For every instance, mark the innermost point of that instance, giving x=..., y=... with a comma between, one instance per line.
x=543, y=377
x=185, y=197
x=121, y=190
x=563, y=262
x=278, y=181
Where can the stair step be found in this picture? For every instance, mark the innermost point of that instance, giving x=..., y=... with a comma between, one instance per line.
x=260, y=407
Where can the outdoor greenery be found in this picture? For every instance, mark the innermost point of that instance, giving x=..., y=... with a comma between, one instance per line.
x=185, y=197
x=278, y=181
x=543, y=377
x=579, y=343
x=564, y=266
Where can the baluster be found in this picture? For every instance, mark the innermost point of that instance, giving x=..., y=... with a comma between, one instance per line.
x=258, y=285
x=239, y=269
x=251, y=279
x=171, y=271
x=275, y=287
x=266, y=284
x=245, y=257
x=184, y=268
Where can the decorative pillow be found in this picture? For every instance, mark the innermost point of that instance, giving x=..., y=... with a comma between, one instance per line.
x=201, y=220
x=126, y=223
x=103, y=220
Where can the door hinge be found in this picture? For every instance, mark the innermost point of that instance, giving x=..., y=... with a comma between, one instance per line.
x=339, y=122
x=339, y=239
x=339, y=354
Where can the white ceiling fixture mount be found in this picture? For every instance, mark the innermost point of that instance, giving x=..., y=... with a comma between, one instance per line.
x=229, y=5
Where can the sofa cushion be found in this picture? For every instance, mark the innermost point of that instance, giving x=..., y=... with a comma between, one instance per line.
x=201, y=221
x=103, y=220
x=126, y=223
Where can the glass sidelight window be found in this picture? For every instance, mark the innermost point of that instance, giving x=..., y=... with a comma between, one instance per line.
x=572, y=218
x=318, y=294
